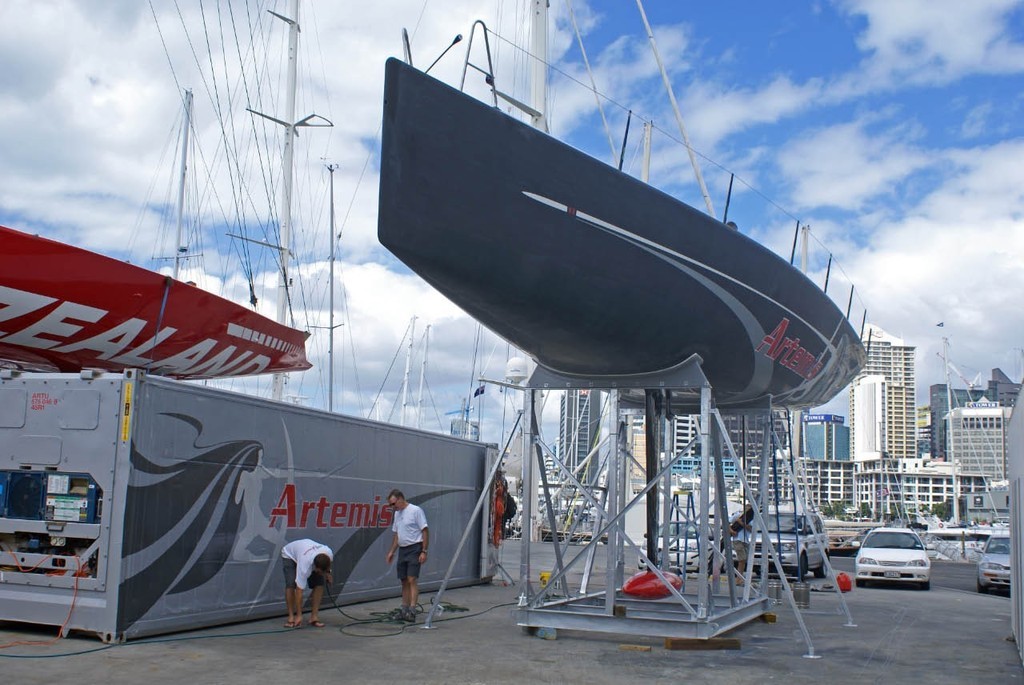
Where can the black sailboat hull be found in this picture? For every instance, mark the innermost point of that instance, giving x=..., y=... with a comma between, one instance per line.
x=588, y=270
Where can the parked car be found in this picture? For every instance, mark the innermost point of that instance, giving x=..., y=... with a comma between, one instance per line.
x=801, y=541
x=994, y=565
x=894, y=555
x=682, y=545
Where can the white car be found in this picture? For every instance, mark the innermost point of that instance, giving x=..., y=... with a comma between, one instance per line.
x=894, y=555
x=994, y=566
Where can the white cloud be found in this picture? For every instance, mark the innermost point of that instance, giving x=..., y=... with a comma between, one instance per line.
x=848, y=165
x=976, y=122
x=930, y=42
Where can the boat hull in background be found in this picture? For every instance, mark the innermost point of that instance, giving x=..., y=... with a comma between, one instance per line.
x=591, y=272
x=63, y=308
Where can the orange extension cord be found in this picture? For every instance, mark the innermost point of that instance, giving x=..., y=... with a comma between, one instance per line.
x=71, y=609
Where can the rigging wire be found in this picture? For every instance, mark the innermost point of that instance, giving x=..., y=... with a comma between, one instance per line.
x=472, y=371
x=398, y=351
x=590, y=73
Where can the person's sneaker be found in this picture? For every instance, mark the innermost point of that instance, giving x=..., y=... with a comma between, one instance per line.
x=409, y=616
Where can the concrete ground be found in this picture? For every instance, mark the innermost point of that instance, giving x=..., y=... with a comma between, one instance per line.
x=902, y=636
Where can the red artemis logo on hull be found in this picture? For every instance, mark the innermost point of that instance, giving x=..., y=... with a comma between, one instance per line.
x=788, y=353
x=326, y=514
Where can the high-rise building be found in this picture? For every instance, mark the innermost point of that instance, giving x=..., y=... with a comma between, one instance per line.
x=867, y=415
x=924, y=432
x=827, y=471
x=883, y=420
x=979, y=439
x=882, y=412
x=1000, y=389
x=684, y=428
x=939, y=400
x=826, y=438
x=579, y=429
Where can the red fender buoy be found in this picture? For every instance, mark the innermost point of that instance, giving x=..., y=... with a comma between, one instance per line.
x=647, y=585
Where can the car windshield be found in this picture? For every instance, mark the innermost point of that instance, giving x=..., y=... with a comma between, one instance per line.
x=893, y=540
x=998, y=546
x=678, y=529
x=785, y=523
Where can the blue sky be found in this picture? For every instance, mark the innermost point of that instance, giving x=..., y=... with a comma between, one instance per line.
x=894, y=129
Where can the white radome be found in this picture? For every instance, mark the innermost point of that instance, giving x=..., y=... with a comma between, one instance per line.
x=517, y=369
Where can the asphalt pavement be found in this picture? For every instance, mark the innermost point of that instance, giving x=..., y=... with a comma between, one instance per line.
x=942, y=636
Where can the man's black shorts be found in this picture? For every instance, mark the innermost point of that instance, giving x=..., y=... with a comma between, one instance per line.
x=315, y=579
x=409, y=561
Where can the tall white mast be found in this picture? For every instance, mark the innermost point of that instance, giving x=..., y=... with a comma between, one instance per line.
x=530, y=474
x=290, y=126
x=286, y=178
x=179, y=249
x=539, y=50
x=408, y=363
x=330, y=343
x=949, y=434
x=645, y=173
x=423, y=374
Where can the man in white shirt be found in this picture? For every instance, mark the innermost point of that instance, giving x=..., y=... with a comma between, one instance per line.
x=306, y=564
x=739, y=528
x=411, y=539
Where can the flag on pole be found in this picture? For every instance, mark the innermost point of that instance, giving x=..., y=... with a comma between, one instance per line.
x=479, y=391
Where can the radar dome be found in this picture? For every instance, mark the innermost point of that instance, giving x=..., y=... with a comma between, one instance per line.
x=516, y=370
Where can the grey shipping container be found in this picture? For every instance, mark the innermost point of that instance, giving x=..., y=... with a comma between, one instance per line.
x=132, y=505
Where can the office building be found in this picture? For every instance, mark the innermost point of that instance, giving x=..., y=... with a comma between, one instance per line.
x=1000, y=389
x=826, y=438
x=924, y=432
x=979, y=439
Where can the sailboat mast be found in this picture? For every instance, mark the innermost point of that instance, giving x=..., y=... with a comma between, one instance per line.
x=180, y=249
x=949, y=434
x=539, y=77
x=423, y=374
x=408, y=363
x=286, y=185
x=330, y=339
x=645, y=173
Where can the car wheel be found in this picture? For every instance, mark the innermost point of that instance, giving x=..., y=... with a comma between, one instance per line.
x=861, y=583
x=802, y=571
x=820, y=572
x=983, y=589
x=926, y=585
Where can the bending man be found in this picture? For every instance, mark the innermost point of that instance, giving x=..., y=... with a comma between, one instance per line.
x=411, y=539
x=306, y=564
